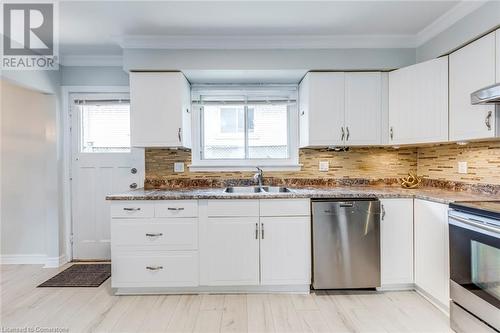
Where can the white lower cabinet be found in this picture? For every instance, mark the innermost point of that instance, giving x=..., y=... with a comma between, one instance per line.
x=396, y=243
x=271, y=247
x=432, y=271
x=231, y=251
x=149, y=250
x=285, y=257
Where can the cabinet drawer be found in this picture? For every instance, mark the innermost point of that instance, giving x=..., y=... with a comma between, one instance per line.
x=132, y=209
x=155, y=269
x=170, y=234
x=177, y=208
x=233, y=208
x=285, y=207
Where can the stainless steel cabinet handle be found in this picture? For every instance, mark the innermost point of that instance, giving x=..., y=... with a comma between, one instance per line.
x=175, y=208
x=256, y=231
x=154, y=235
x=383, y=212
x=262, y=230
x=487, y=121
x=348, y=134
x=343, y=133
x=129, y=209
x=179, y=134
x=133, y=185
x=391, y=133
x=154, y=268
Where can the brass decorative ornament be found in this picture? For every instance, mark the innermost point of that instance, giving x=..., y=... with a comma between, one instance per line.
x=412, y=181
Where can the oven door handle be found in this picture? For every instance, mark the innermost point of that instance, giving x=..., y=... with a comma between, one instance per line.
x=475, y=225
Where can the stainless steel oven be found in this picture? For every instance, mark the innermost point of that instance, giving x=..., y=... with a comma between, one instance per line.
x=474, y=231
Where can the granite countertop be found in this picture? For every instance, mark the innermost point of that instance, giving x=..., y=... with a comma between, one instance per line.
x=426, y=193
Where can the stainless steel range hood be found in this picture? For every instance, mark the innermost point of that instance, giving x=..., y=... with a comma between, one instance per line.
x=488, y=95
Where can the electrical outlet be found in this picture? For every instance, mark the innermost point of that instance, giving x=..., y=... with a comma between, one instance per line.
x=178, y=167
x=324, y=166
x=462, y=167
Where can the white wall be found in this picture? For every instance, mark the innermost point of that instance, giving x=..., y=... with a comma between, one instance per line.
x=93, y=76
x=29, y=175
x=477, y=23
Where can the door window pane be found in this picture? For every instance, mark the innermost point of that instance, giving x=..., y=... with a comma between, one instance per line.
x=105, y=128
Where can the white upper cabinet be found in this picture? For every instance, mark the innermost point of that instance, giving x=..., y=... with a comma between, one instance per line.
x=471, y=68
x=418, y=103
x=321, y=109
x=363, y=105
x=340, y=109
x=160, y=109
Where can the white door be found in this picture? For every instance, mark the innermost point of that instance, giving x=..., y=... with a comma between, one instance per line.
x=363, y=108
x=232, y=247
x=471, y=68
x=396, y=242
x=102, y=163
x=285, y=256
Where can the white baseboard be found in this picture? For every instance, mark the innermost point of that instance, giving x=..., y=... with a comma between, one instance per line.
x=445, y=308
x=33, y=259
x=54, y=262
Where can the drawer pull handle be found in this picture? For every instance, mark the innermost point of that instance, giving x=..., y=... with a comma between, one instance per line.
x=154, y=268
x=154, y=235
x=176, y=209
x=131, y=209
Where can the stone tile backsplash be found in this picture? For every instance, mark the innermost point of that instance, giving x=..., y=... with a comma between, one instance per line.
x=375, y=165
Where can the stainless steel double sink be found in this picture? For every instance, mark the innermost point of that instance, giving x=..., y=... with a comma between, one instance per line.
x=256, y=189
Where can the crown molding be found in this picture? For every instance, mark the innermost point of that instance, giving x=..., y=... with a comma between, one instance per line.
x=267, y=42
x=91, y=60
x=452, y=16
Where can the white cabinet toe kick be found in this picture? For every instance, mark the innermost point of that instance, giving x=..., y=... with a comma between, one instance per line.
x=204, y=246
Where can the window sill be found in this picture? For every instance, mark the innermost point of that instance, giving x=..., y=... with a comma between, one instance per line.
x=226, y=168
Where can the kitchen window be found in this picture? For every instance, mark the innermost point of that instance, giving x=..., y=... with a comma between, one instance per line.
x=239, y=128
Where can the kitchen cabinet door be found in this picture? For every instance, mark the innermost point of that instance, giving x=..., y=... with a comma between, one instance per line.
x=231, y=246
x=418, y=103
x=285, y=250
x=363, y=108
x=471, y=68
x=321, y=109
x=160, y=110
x=396, y=243
x=432, y=272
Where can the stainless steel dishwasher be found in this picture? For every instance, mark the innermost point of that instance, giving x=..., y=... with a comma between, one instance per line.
x=346, y=243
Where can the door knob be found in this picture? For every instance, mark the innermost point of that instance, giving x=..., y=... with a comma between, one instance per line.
x=133, y=185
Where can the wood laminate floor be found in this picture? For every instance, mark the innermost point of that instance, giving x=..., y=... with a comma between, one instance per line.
x=98, y=310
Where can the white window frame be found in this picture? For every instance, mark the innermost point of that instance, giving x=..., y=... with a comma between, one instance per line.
x=286, y=164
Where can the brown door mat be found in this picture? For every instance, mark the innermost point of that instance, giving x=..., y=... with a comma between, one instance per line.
x=80, y=275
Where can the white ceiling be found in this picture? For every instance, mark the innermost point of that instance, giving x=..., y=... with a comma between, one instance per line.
x=101, y=28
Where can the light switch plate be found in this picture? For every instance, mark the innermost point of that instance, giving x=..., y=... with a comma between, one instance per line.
x=324, y=165
x=178, y=167
x=462, y=167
